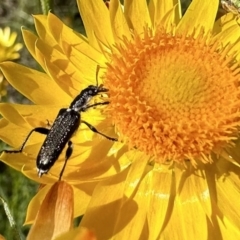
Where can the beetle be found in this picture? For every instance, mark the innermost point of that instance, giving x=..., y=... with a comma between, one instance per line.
x=64, y=126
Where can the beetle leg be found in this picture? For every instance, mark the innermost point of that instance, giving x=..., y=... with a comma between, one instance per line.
x=41, y=130
x=94, y=105
x=67, y=156
x=92, y=128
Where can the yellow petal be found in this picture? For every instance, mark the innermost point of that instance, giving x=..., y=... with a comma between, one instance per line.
x=81, y=191
x=11, y=113
x=234, y=153
x=137, y=15
x=226, y=229
x=223, y=23
x=35, y=204
x=59, y=68
x=25, y=118
x=205, y=17
x=135, y=173
x=41, y=24
x=34, y=84
x=188, y=217
x=78, y=234
x=228, y=35
x=23, y=125
x=160, y=200
x=118, y=21
x=76, y=46
x=94, y=14
x=133, y=225
x=103, y=211
x=55, y=215
x=61, y=32
x=171, y=18
x=16, y=161
x=30, y=40
x=228, y=192
x=6, y=130
x=158, y=9
x=90, y=60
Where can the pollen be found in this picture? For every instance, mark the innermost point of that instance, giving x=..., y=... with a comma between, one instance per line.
x=174, y=97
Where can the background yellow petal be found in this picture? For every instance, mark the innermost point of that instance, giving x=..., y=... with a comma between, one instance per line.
x=158, y=9
x=34, y=84
x=95, y=16
x=119, y=24
x=137, y=15
x=199, y=14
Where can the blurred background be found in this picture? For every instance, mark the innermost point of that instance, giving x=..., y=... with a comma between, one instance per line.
x=15, y=188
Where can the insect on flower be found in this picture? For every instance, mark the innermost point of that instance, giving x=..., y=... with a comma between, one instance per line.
x=66, y=123
x=232, y=6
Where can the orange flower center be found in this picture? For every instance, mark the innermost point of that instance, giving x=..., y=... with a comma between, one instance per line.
x=174, y=97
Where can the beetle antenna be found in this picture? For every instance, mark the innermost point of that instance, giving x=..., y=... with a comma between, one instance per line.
x=97, y=71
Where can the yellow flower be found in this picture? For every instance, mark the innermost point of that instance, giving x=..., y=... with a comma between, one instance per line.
x=174, y=90
x=8, y=51
x=8, y=48
x=174, y=97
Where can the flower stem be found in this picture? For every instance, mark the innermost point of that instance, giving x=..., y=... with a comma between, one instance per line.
x=46, y=6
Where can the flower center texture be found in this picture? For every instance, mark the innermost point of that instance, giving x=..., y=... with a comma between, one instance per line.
x=174, y=97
